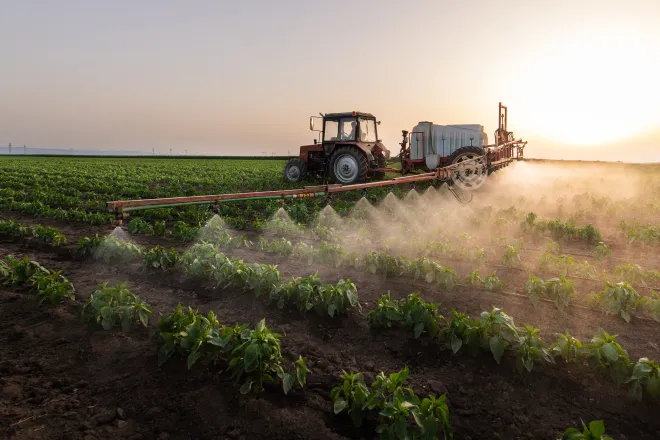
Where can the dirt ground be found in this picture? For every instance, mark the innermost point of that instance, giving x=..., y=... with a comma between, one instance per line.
x=58, y=380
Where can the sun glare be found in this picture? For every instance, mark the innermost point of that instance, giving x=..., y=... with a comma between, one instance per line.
x=590, y=92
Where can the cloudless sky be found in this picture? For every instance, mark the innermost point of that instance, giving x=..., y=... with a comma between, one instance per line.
x=580, y=77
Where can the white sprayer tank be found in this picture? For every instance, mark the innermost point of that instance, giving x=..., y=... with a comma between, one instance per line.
x=430, y=142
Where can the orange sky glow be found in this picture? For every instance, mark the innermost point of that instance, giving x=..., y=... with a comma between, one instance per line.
x=580, y=78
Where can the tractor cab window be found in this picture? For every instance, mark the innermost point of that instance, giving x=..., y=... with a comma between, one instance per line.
x=367, y=130
x=331, y=132
x=348, y=129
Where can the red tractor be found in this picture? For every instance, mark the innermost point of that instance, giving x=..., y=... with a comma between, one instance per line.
x=348, y=149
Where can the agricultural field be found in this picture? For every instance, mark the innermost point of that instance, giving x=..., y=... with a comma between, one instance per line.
x=387, y=314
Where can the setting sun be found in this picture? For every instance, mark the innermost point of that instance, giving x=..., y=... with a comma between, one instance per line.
x=590, y=89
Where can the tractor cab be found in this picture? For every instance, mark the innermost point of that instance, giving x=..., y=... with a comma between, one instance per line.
x=346, y=127
x=347, y=149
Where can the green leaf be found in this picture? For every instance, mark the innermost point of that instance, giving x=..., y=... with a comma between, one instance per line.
x=653, y=387
x=126, y=322
x=106, y=312
x=597, y=428
x=251, y=357
x=419, y=328
x=287, y=382
x=642, y=369
x=497, y=348
x=107, y=323
x=400, y=427
x=192, y=358
x=245, y=388
x=165, y=352
x=261, y=326
x=144, y=317
x=456, y=344
x=625, y=315
x=339, y=405
x=332, y=309
x=610, y=352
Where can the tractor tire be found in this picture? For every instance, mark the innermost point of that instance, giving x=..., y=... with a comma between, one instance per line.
x=382, y=163
x=468, y=180
x=295, y=170
x=348, y=166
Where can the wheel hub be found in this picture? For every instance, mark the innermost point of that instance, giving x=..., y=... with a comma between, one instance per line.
x=293, y=172
x=346, y=168
x=473, y=178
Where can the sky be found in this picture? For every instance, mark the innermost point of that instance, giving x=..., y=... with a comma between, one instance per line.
x=580, y=78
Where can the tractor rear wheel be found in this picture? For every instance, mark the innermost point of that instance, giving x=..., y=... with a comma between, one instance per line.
x=469, y=180
x=348, y=166
x=382, y=163
x=295, y=170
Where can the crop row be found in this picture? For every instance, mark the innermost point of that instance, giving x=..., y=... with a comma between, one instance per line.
x=494, y=330
x=252, y=356
x=619, y=299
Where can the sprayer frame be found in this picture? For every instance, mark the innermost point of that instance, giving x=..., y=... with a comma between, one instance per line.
x=497, y=156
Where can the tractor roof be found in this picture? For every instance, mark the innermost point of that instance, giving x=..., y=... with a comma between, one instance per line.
x=349, y=114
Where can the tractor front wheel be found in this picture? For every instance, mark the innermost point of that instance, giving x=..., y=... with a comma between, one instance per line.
x=295, y=170
x=348, y=166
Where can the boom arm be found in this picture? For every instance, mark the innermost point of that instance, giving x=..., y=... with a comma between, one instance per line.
x=120, y=208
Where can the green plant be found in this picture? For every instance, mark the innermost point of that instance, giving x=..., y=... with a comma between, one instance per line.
x=193, y=335
x=652, y=305
x=19, y=272
x=560, y=290
x=535, y=288
x=601, y=251
x=567, y=347
x=139, y=226
x=51, y=287
x=49, y=235
x=492, y=282
x=595, y=431
x=13, y=229
x=309, y=293
x=511, y=258
x=280, y=246
x=87, y=246
x=199, y=259
x=431, y=271
x=113, y=305
x=619, y=299
x=645, y=375
x=412, y=312
x=351, y=397
x=387, y=265
x=603, y=352
x=395, y=404
x=630, y=272
x=462, y=332
x=498, y=332
x=159, y=228
x=160, y=258
x=529, y=348
x=257, y=360
x=114, y=250
x=182, y=232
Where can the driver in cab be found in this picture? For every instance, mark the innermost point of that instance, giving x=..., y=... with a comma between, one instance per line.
x=350, y=135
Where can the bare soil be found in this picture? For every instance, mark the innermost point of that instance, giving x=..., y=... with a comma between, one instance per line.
x=59, y=380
